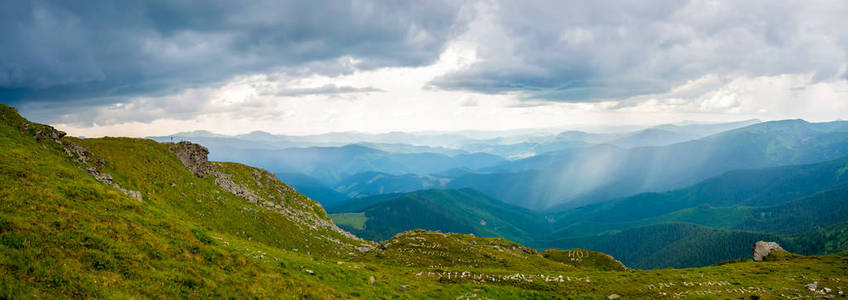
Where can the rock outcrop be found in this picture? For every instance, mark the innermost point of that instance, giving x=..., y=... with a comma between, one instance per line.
x=44, y=132
x=763, y=249
x=196, y=158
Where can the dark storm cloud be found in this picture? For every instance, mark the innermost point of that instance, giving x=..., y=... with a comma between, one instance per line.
x=593, y=50
x=57, y=54
x=100, y=51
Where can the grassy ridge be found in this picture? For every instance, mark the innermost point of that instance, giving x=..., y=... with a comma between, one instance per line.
x=150, y=168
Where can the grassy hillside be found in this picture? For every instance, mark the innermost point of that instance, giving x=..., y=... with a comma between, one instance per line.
x=436, y=250
x=585, y=259
x=463, y=211
x=64, y=233
x=280, y=214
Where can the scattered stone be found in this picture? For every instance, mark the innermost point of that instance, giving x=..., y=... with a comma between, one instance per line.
x=812, y=286
x=106, y=179
x=827, y=290
x=79, y=153
x=339, y=262
x=134, y=194
x=614, y=296
x=44, y=132
x=372, y=280
x=310, y=272
x=404, y=287
x=763, y=249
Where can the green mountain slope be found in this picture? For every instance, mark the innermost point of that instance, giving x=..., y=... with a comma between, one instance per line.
x=801, y=215
x=725, y=201
x=463, y=211
x=792, y=217
x=147, y=228
x=828, y=240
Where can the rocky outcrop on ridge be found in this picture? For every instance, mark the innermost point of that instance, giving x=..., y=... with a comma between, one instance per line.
x=763, y=249
x=195, y=157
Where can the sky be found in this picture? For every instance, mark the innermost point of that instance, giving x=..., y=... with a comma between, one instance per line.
x=145, y=68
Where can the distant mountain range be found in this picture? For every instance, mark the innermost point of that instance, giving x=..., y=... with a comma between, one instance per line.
x=719, y=216
x=331, y=165
x=448, y=156
x=716, y=186
x=580, y=176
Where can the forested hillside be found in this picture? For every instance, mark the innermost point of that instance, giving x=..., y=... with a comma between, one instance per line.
x=463, y=211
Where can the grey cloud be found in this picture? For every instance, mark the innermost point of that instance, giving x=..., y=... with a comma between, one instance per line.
x=104, y=51
x=594, y=50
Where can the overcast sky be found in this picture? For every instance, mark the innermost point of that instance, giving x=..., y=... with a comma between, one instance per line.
x=140, y=68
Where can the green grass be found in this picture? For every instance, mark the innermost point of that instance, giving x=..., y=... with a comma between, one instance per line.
x=65, y=235
x=352, y=220
x=585, y=259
